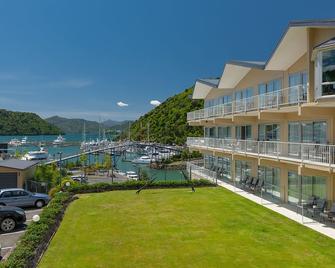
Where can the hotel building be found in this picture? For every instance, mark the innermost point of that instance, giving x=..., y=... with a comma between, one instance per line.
x=274, y=120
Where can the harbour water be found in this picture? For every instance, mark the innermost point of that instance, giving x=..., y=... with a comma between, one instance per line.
x=75, y=140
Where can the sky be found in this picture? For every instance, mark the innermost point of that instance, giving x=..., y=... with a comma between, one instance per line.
x=81, y=58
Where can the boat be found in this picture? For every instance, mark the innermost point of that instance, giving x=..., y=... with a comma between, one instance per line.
x=60, y=139
x=142, y=160
x=36, y=155
x=132, y=175
x=24, y=140
x=14, y=142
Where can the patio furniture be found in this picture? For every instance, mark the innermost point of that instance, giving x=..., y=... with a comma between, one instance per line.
x=244, y=180
x=259, y=186
x=317, y=208
x=249, y=182
x=328, y=215
x=254, y=184
x=311, y=201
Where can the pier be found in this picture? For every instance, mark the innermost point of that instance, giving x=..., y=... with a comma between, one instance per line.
x=119, y=148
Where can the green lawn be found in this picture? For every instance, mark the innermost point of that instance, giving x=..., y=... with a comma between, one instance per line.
x=177, y=228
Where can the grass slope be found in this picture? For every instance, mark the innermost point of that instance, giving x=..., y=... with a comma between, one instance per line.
x=177, y=228
x=167, y=122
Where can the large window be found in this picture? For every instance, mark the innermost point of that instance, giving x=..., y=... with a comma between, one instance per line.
x=268, y=132
x=325, y=73
x=217, y=101
x=297, y=93
x=223, y=164
x=301, y=188
x=242, y=169
x=224, y=132
x=271, y=178
x=243, y=132
x=270, y=86
x=308, y=132
x=210, y=132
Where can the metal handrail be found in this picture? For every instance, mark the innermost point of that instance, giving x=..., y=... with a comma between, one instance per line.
x=276, y=99
x=303, y=152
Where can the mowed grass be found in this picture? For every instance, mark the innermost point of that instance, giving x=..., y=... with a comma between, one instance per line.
x=177, y=228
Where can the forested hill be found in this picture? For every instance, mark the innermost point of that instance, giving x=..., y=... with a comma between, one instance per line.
x=74, y=125
x=22, y=123
x=167, y=122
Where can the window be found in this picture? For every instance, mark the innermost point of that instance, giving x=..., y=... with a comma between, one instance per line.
x=243, y=132
x=270, y=86
x=271, y=178
x=308, y=132
x=6, y=194
x=301, y=188
x=268, y=132
x=325, y=73
x=224, y=165
x=217, y=101
x=295, y=93
x=242, y=169
x=224, y=132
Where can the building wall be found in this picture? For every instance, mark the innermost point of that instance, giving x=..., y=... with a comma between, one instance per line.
x=22, y=175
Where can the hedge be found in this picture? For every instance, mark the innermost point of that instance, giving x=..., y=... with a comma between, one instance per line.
x=135, y=185
x=35, y=240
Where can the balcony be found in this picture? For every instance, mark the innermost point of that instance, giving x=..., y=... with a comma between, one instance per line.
x=274, y=100
x=303, y=153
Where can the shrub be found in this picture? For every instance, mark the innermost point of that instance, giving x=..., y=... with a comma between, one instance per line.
x=38, y=234
x=134, y=185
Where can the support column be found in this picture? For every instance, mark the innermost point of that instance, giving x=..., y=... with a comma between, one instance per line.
x=283, y=184
x=310, y=66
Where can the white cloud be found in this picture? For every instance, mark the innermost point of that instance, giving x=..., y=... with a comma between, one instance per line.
x=155, y=102
x=122, y=104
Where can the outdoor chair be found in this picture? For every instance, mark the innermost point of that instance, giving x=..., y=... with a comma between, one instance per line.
x=254, y=184
x=244, y=180
x=317, y=208
x=311, y=201
x=328, y=215
x=248, y=183
x=259, y=186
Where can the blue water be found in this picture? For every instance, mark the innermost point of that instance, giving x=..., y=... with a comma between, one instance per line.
x=71, y=150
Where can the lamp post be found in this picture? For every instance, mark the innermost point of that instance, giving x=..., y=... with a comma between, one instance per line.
x=60, y=167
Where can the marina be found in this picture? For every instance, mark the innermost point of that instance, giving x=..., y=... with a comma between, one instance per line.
x=133, y=157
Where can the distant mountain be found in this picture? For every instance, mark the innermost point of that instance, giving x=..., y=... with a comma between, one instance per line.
x=22, y=123
x=73, y=125
x=112, y=123
x=167, y=122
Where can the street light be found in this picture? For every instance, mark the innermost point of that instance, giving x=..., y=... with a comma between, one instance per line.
x=60, y=167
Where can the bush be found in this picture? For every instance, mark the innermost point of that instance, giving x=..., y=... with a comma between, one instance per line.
x=38, y=234
x=135, y=185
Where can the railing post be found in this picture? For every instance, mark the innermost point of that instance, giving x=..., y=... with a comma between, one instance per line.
x=302, y=152
x=329, y=155
x=277, y=99
x=245, y=105
x=299, y=95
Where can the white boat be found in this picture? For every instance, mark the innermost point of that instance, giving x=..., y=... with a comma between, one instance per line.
x=36, y=155
x=60, y=139
x=142, y=160
x=14, y=142
x=24, y=140
x=132, y=175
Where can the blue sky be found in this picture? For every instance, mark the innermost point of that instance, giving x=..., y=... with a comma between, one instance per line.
x=79, y=58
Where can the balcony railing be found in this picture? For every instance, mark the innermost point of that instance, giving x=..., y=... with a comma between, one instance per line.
x=277, y=99
x=311, y=153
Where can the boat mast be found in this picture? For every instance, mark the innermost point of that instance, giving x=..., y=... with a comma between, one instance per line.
x=84, y=132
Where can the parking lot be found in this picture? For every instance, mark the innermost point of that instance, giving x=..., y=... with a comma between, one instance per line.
x=8, y=241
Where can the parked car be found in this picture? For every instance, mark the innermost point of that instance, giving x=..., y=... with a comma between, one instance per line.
x=79, y=178
x=21, y=198
x=10, y=217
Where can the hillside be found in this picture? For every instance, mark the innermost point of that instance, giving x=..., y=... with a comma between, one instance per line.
x=115, y=124
x=22, y=123
x=73, y=125
x=167, y=122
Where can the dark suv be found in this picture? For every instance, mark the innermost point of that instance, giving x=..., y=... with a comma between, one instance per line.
x=10, y=217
